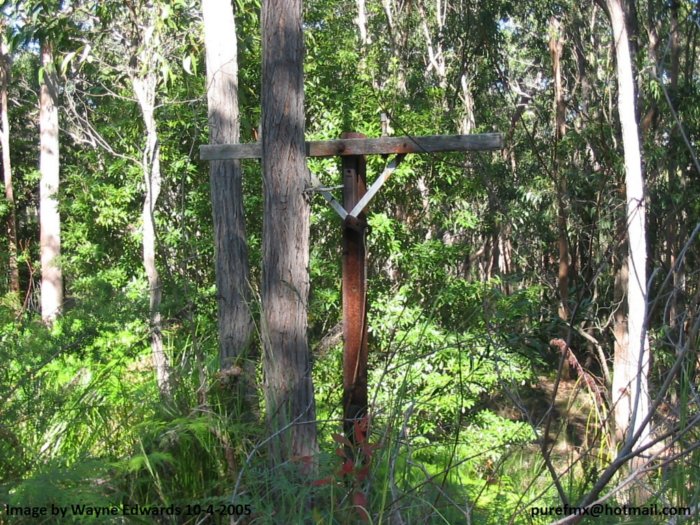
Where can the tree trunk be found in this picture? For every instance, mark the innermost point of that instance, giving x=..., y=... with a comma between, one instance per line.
x=11, y=224
x=621, y=345
x=677, y=220
x=436, y=56
x=468, y=122
x=361, y=22
x=289, y=389
x=232, y=274
x=396, y=45
x=556, y=49
x=145, y=94
x=144, y=89
x=630, y=392
x=144, y=82
x=49, y=218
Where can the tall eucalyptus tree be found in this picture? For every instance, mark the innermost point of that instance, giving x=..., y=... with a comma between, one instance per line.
x=235, y=323
x=133, y=45
x=289, y=393
x=631, y=364
x=144, y=77
x=49, y=165
x=11, y=221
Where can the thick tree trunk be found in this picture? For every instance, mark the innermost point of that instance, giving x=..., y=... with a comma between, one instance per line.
x=49, y=218
x=631, y=366
x=11, y=224
x=235, y=322
x=289, y=389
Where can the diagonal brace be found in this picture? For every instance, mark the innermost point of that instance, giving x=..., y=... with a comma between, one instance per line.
x=371, y=192
x=364, y=201
x=319, y=188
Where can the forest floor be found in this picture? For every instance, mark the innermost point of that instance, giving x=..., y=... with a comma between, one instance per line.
x=570, y=420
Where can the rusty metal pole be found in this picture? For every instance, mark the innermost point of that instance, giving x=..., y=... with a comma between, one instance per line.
x=354, y=294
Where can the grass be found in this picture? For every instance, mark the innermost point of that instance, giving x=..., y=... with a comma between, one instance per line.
x=454, y=434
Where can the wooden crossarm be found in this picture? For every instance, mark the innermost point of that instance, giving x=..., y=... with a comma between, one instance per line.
x=372, y=146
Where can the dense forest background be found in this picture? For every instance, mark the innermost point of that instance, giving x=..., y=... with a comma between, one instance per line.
x=499, y=282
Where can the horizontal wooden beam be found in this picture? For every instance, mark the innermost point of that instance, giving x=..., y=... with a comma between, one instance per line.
x=374, y=146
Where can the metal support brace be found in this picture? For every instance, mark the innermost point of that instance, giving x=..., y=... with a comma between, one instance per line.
x=326, y=194
x=372, y=191
x=366, y=198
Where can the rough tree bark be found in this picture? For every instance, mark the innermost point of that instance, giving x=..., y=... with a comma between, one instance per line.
x=49, y=217
x=11, y=222
x=631, y=363
x=235, y=322
x=289, y=390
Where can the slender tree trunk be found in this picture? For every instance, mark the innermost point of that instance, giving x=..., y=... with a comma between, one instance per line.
x=468, y=122
x=289, y=392
x=396, y=44
x=677, y=220
x=232, y=274
x=630, y=392
x=49, y=218
x=144, y=82
x=436, y=56
x=361, y=22
x=556, y=48
x=144, y=89
x=621, y=406
x=11, y=224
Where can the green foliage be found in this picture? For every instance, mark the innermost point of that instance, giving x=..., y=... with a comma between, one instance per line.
x=462, y=266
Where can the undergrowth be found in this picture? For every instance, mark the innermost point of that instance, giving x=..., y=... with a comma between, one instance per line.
x=82, y=423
